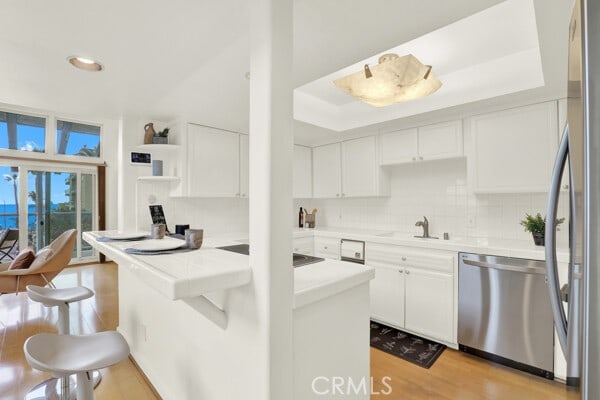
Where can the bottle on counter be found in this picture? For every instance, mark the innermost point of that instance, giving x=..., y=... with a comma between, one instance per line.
x=301, y=218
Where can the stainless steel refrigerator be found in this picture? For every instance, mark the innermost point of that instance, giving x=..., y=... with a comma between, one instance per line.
x=579, y=329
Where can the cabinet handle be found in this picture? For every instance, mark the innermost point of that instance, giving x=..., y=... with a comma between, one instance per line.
x=337, y=195
x=421, y=158
x=326, y=247
x=343, y=194
x=403, y=258
x=414, y=158
x=295, y=249
x=237, y=195
x=401, y=271
x=407, y=272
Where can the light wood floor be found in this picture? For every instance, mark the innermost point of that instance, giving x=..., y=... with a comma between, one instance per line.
x=454, y=376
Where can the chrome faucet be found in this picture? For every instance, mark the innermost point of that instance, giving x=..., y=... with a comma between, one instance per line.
x=425, y=225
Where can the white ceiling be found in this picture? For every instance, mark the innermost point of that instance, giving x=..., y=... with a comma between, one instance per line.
x=188, y=58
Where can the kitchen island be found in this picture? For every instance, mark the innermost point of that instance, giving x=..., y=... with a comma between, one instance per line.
x=191, y=323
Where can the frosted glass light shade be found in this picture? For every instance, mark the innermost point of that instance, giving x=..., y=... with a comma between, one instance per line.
x=394, y=79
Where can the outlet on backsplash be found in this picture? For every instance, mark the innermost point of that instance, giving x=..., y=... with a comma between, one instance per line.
x=471, y=221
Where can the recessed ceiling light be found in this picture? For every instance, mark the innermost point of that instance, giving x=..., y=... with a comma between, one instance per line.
x=85, y=63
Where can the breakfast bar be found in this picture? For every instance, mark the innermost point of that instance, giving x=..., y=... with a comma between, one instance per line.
x=189, y=319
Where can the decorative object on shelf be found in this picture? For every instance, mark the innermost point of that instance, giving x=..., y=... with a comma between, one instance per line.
x=536, y=224
x=309, y=219
x=161, y=137
x=149, y=133
x=393, y=80
x=157, y=167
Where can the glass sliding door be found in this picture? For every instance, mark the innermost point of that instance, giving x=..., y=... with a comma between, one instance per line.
x=9, y=212
x=59, y=200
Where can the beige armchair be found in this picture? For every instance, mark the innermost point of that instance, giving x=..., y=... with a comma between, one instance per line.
x=43, y=270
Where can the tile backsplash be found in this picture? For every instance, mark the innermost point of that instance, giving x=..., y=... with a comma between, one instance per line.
x=438, y=190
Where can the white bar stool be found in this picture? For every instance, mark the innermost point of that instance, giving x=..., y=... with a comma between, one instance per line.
x=65, y=387
x=65, y=355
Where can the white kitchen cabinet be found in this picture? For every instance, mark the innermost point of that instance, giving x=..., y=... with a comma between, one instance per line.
x=387, y=294
x=429, y=305
x=304, y=245
x=302, y=183
x=244, y=165
x=414, y=290
x=349, y=169
x=361, y=174
x=327, y=247
x=213, y=162
x=398, y=147
x=431, y=142
x=327, y=171
x=514, y=150
x=441, y=141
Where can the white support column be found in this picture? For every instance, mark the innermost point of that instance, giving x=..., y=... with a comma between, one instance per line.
x=270, y=202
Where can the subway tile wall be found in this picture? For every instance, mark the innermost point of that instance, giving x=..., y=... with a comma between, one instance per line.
x=438, y=190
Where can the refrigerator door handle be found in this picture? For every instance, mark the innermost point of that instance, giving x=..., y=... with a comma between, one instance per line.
x=560, y=320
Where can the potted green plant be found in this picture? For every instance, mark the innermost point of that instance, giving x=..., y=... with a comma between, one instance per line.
x=536, y=224
x=161, y=137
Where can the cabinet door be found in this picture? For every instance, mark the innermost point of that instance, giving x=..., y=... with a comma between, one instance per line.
x=441, y=141
x=398, y=147
x=213, y=162
x=304, y=245
x=302, y=172
x=359, y=167
x=387, y=295
x=244, y=165
x=327, y=247
x=327, y=171
x=514, y=150
x=429, y=298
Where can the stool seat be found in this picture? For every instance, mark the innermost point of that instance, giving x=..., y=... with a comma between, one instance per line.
x=70, y=354
x=53, y=297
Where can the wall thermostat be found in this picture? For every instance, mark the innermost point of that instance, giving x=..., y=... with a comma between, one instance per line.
x=141, y=158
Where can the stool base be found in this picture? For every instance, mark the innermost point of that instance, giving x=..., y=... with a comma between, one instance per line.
x=51, y=389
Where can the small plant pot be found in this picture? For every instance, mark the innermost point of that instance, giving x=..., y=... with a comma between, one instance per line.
x=160, y=140
x=539, y=239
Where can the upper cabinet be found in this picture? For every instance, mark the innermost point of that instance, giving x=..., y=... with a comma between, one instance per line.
x=348, y=169
x=513, y=151
x=213, y=162
x=302, y=184
x=432, y=142
x=327, y=171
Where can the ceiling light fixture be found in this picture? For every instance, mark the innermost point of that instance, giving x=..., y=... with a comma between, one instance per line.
x=86, y=64
x=393, y=80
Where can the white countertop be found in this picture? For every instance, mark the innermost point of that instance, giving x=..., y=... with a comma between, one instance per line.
x=208, y=269
x=497, y=247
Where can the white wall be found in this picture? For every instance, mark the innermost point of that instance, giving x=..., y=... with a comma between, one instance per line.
x=438, y=190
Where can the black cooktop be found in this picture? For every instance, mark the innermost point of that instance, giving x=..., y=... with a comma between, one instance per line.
x=298, y=259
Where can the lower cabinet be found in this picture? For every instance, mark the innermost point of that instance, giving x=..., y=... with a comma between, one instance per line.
x=414, y=290
x=429, y=303
x=327, y=247
x=304, y=245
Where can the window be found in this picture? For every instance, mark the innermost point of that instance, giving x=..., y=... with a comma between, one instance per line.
x=22, y=132
x=77, y=139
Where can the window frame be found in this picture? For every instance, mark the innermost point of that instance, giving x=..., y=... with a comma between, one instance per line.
x=73, y=156
x=49, y=153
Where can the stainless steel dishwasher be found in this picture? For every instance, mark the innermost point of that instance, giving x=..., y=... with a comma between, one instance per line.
x=504, y=313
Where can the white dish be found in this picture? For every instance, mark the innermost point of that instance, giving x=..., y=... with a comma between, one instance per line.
x=125, y=235
x=158, y=244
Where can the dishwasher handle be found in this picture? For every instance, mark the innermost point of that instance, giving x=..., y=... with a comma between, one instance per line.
x=504, y=267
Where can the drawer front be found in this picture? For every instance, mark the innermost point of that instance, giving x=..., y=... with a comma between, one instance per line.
x=382, y=254
x=327, y=247
x=304, y=246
